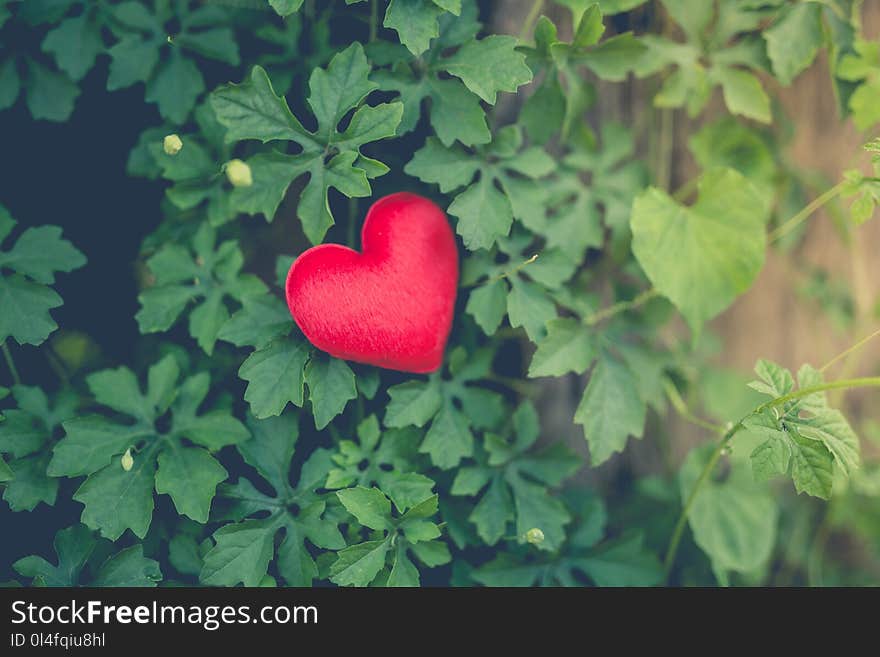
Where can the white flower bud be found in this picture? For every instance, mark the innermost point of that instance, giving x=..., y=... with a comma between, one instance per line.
x=127, y=460
x=535, y=536
x=239, y=173
x=172, y=144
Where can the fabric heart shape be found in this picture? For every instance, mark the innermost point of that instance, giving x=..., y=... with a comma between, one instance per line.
x=391, y=304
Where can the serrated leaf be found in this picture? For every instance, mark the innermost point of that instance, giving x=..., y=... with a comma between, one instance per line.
x=116, y=499
x=488, y=305
x=611, y=409
x=567, y=347
x=412, y=403
x=331, y=386
x=415, y=22
x=190, y=476
x=449, y=439
x=241, y=554
x=369, y=505
x=743, y=94
x=794, y=40
x=275, y=376
x=358, y=565
x=128, y=568
x=489, y=65
x=73, y=546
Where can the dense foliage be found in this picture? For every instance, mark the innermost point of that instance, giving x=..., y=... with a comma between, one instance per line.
x=229, y=451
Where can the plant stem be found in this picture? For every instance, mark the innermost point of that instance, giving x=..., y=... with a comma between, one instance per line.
x=620, y=306
x=684, y=192
x=861, y=382
x=681, y=408
x=792, y=223
x=523, y=388
x=664, y=160
x=374, y=19
x=7, y=355
x=531, y=17
x=510, y=272
x=843, y=354
x=678, y=530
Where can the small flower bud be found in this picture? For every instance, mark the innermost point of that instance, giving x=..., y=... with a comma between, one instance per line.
x=535, y=536
x=127, y=460
x=172, y=144
x=239, y=173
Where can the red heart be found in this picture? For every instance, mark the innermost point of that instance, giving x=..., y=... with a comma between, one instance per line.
x=390, y=305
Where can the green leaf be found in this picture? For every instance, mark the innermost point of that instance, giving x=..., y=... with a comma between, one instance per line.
x=369, y=505
x=75, y=44
x=89, y=444
x=286, y=7
x=275, y=376
x=190, y=476
x=449, y=438
x=252, y=110
x=484, y=214
x=493, y=512
x=771, y=458
x=205, y=276
x=490, y=65
x=614, y=58
x=530, y=307
x=26, y=308
x=611, y=409
x=743, y=94
x=241, y=554
x=568, y=347
x=120, y=390
x=118, y=494
x=331, y=386
x=733, y=518
x=73, y=546
x=794, y=40
x=535, y=507
x=811, y=466
x=50, y=95
x=128, y=568
x=450, y=168
x=30, y=485
x=412, y=403
x=116, y=499
x=270, y=451
x=175, y=87
x=488, y=305
x=5, y=472
x=358, y=565
x=415, y=22
x=685, y=251
x=133, y=59
x=590, y=27
x=10, y=83
x=625, y=562
x=694, y=16
x=456, y=114
x=36, y=256
x=403, y=572
x=775, y=380
x=730, y=143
